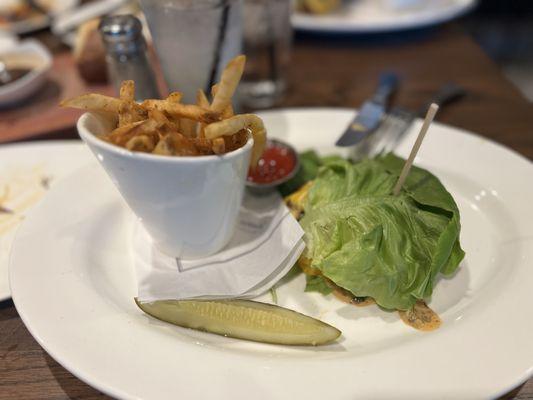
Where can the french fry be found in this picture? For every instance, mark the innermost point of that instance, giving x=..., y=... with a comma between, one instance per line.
x=189, y=111
x=201, y=99
x=122, y=135
x=127, y=111
x=130, y=112
x=166, y=125
x=93, y=102
x=113, y=136
x=188, y=127
x=158, y=116
x=163, y=147
x=183, y=146
x=177, y=145
x=142, y=143
x=175, y=123
x=169, y=127
x=127, y=91
x=236, y=141
x=219, y=146
x=228, y=111
x=228, y=83
x=175, y=97
x=203, y=145
x=236, y=123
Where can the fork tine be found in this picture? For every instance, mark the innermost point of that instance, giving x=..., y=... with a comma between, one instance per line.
x=386, y=139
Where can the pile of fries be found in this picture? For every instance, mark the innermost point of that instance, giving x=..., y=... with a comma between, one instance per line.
x=169, y=127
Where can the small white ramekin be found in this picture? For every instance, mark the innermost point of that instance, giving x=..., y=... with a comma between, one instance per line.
x=189, y=205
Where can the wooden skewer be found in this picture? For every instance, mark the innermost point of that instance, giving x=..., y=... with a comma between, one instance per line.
x=433, y=108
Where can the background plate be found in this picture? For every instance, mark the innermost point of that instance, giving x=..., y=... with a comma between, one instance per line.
x=74, y=291
x=27, y=164
x=39, y=22
x=370, y=16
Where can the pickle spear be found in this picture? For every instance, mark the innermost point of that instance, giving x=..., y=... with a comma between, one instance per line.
x=243, y=319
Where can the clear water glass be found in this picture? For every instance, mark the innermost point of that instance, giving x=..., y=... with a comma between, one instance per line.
x=194, y=40
x=267, y=45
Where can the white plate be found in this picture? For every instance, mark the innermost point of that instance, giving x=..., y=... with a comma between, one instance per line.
x=371, y=16
x=74, y=291
x=38, y=22
x=28, y=54
x=22, y=166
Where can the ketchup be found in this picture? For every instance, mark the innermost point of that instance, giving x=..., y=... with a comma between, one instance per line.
x=276, y=163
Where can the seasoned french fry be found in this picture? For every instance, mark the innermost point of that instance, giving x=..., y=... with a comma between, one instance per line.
x=176, y=144
x=175, y=97
x=183, y=146
x=228, y=83
x=175, y=122
x=214, y=90
x=127, y=91
x=113, y=136
x=219, y=146
x=93, y=102
x=169, y=127
x=233, y=125
x=203, y=145
x=228, y=111
x=163, y=147
x=189, y=111
x=121, y=136
x=130, y=112
x=236, y=141
x=188, y=127
x=158, y=116
x=142, y=143
x=201, y=99
x=236, y=123
x=166, y=125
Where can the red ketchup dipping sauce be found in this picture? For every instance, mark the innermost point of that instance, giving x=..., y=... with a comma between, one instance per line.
x=277, y=162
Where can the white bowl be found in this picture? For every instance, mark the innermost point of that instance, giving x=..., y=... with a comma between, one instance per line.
x=29, y=54
x=189, y=205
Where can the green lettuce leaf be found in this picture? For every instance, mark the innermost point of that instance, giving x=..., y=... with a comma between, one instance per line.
x=310, y=162
x=371, y=243
x=316, y=283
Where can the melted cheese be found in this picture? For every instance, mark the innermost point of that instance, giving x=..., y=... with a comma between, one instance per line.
x=421, y=317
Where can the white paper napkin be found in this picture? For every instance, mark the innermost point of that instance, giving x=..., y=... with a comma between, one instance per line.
x=266, y=244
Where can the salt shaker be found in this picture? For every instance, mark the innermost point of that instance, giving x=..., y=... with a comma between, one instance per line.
x=127, y=56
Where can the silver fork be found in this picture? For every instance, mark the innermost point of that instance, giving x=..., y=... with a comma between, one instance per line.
x=398, y=121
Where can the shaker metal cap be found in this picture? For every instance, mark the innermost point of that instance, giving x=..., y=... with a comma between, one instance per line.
x=120, y=28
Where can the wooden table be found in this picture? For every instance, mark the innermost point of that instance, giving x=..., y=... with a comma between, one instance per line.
x=336, y=73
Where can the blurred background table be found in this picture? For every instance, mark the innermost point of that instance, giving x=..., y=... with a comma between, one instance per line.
x=323, y=73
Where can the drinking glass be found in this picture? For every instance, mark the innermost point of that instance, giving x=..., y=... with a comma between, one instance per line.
x=267, y=45
x=194, y=40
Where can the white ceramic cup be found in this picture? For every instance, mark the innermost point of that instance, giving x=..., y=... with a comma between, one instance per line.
x=189, y=205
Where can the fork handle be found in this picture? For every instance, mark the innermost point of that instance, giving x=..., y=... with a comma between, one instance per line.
x=448, y=93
